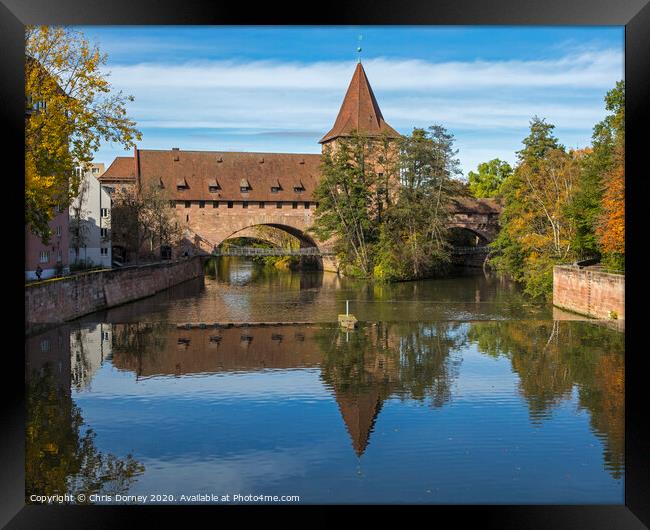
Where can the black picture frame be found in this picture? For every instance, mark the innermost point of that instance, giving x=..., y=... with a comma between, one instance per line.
x=633, y=14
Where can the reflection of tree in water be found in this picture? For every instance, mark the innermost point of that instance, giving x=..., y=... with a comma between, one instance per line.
x=551, y=358
x=61, y=456
x=367, y=366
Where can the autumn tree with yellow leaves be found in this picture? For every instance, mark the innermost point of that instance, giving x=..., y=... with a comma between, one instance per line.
x=537, y=231
x=70, y=109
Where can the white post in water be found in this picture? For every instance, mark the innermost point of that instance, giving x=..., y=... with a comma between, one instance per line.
x=347, y=307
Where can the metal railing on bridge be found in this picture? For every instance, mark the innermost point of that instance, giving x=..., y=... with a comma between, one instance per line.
x=470, y=250
x=233, y=250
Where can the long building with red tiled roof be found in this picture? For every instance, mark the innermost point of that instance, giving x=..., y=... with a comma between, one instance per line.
x=218, y=175
x=220, y=195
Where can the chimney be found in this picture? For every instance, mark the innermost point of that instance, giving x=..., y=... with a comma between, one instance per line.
x=136, y=160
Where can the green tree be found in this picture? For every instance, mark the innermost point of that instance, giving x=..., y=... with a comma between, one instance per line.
x=345, y=196
x=413, y=240
x=537, y=231
x=70, y=109
x=489, y=179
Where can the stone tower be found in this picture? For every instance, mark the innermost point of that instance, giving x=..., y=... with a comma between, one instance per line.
x=359, y=112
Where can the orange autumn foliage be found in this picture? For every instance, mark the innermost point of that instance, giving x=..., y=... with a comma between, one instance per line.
x=611, y=230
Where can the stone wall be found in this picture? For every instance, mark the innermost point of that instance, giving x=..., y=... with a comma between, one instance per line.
x=56, y=301
x=589, y=292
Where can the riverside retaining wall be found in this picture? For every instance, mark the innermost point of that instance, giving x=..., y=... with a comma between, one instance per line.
x=589, y=292
x=59, y=300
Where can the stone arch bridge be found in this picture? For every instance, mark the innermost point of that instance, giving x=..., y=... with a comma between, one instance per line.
x=207, y=228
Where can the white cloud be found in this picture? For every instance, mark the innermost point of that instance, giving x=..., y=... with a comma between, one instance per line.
x=488, y=100
x=588, y=69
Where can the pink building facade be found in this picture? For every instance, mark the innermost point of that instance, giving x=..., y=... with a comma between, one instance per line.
x=52, y=258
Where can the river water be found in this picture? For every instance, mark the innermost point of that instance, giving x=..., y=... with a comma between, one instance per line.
x=456, y=390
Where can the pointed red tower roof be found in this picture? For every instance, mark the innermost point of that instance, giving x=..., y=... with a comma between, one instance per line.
x=359, y=111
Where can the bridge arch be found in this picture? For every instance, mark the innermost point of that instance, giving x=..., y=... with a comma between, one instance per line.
x=256, y=231
x=484, y=236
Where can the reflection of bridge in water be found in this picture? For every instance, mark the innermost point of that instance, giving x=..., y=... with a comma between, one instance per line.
x=151, y=350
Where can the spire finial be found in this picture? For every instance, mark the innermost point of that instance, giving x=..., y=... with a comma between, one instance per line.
x=359, y=48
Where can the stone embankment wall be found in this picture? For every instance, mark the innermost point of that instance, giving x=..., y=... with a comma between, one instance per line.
x=589, y=292
x=58, y=300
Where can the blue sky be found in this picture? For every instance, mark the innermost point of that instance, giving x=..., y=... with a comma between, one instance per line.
x=278, y=89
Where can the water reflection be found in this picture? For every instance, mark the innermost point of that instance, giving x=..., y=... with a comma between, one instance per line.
x=404, y=360
x=554, y=358
x=422, y=403
x=60, y=452
x=237, y=290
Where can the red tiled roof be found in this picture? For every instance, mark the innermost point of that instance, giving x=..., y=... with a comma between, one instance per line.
x=230, y=170
x=359, y=111
x=121, y=169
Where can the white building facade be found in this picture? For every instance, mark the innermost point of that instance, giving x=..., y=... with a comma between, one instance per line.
x=90, y=230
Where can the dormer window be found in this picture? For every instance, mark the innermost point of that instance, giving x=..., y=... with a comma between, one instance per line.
x=181, y=184
x=299, y=188
x=244, y=186
x=276, y=187
x=161, y=184
x=213, y=186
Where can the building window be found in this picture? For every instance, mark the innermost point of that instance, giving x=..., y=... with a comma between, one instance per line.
x=58, y=230
x=44, y=256
x=103, y=232
x=229, y=204
x=59, y=257
x=244, y=204
x=45, y=345
x=261, y=205
x=278, y=205
x=187, y=218
x=306, y=206
x=215, y=204
x=104, y=212
x=105, y=335
x=104, y=251
x=201, y=204
x=95, y=170
x=188, y=204
x=294, y=205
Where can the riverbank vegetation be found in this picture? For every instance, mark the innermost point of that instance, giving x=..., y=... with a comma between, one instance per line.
x=560, y=205
x=384, y=203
